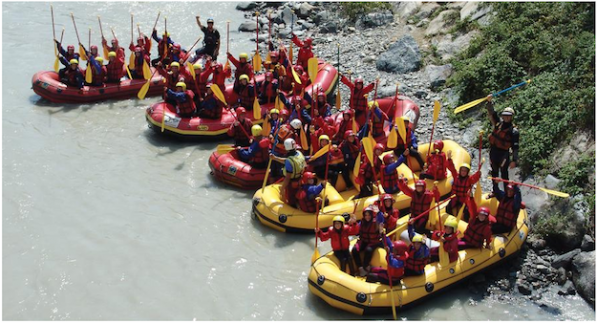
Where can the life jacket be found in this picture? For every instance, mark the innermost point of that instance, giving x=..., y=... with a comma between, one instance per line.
x=98, y=78
x=366, y=169
x=389, y=182
x=390, y=221
x=505, y=213
x=211, y=38
x=284, y=133
x=358, y=101
x=72, y=75
x=369, y=232
x=245, y=95
x=305, y=203
x=262, y=154
x=461, y=187
x=114, y=71
x=400, y=142
x=476, y=232
x=416, y=260
x=350, y=151
x=267, y=91
x=377, y=125
x=139, y=63
x=188, y=106
x=298, y=165
x=501, y=137
x=238, y=134
x=437, y=165
x=420, y=203
x=339, y=239
x=241, y=69
x=450, y=243
x=303, y=56
x=396, y=273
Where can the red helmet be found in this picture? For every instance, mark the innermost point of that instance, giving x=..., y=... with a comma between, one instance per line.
x=510, y=187
x=307, y=176
x=350, y=112
x=484, y=210
x=269, y=74
x=240, y=110
x=358, y=80
x=176, y=46
x=368, y=209
x=421, y=182
x=140, y=39
x=400, y=247
x=298, y=69
x=321, y=93
x=69, y=47
x=348, y=133
x=379, y=146
x=387, y=197
x=93, y=47
x=284, y=114
x=388, y=159
x=114, y=41
x=329, y=120
x=308, y=41
x=273, y=55
x=137, y=49
x=438, y=145
x=218, y=66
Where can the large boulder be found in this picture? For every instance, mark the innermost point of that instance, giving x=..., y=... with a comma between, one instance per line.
x=248, y=25
x=583, y=275
x=403, y=56
x=375, y=19
x=286, y=17
x=441, y=23
x=305, y=10
x=438, y=75
x=321, y=16
x=329, y=27
x=564, y=260
x=588, y=243
x=244, y=6
x=448, y=46
x=473, y=10
x=406, y=9
x=426, y=10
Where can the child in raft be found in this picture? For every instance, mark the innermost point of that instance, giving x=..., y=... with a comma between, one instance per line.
x=396, y=255
x=339, y=233
x=369, y=240
x=449, y=236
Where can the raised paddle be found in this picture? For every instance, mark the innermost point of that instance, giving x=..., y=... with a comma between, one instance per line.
x=316, y=255
x=269, y=163
x=548, y=191
x=436, y=109
x=128, y=71
x=478, y=193
x=393, y=137
x=145, y=87
x=327, y=167
x=218, y=93
x=256, y=106
x=322, y=151
x=471, y=104
x=57, y=60
x=385, y=243
x=81, y=49
x=290, y=54
x=132, y=58
x=106, y=52
x=227, y=65
x=154, y=25
x=312, y=64
x=88, y=70
x=190, y=50
x=257, y=57
x=338, y=97
x=268, y=57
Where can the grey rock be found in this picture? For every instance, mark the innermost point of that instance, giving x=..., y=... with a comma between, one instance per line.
x=306, y=25
x=438, y=75
x=583, y=275
x=524, y=289
x=329, y=27
x=244, y=6
x=321, y=16
x=551, y=181
x=561, y=276
x=402, y=57
x=426, y=10
x=375, y=19
x=567, y=289
x=249, y=25
x=588, y=243
x=457, y=4
x=286, y=16
x=305, y=10
x=422, y=23
x=407, y=8
x=448, y=46
x=472, y=9
x=284, y=33
x=538, y=244
x=564, y=260
x=439, y=25
x=543, y=269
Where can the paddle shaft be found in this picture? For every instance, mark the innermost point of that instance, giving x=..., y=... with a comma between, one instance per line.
x=257, y=33
x=389, y=277
x=227, y=36
x=61, y=35
x=480, y=148
x=269, y=163
x=190, y=49
x=511, y=88
x=75, y=25
x=240, y=124
x=327, y=168
x=132, y=28
x=53, y=25
x=156, y=21
x=99, y=20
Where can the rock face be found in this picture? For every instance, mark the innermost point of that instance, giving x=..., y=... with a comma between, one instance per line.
x=248, y=26
x=588, y=244
x=473, y=11
x=407, y=8
x=287, y=17
x=244, y=6
x=439, y=25
x=426, y=10
x=375, y=19
x=583, y=275
x=564, y=260
x=438, y=74
x=305, y=10
x=402, y=57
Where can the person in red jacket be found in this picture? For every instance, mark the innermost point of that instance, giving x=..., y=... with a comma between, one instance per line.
x=163, y=48
x=143, y=44
x=450, y=239
x=350, y=148
x=358, y=98
x=378, y=119
x=257, y=154
x=219, y=74
x=268, y=89
x=173, y=76
x=420, y=201
x=185, y=105
x=462, y=185
x=369, y=240
x=241, y=137
x=396, y=255
x=436, y=165
x=508, y=209
x=242, y=66
x=98, y=70
x=305, y=50
x=73, y=76
x=199, y=83
x=309, y=192
x=210, y=107
x=322, y=106
x=367, y=174
x=478, y=230
x=388, y=215
x=140, y=57
x=388, y=173
x=245, y=90
x=289, y=83
x=114, y=69
x=319, y=164
x=339, y=233
x=114, y=48
x=418, y=257
x=345, y=125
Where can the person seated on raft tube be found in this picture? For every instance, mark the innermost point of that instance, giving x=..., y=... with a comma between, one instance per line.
x=418, y=255
x=411, y=143
x=294, y=166
x=98, y=71
x=268, y=89
x=435, y=167
x=210, y=107
x=241, y=137
x=219, y=74
x=478, y=230
x=185, y=106
x=508, y=209
x=73, y=76
x=339, y=233
x=164, y=44
x=140, y=58
x=388, y=174
x=367, y=174
x=257, y=154
x=309, y=192
x=421, y=199
x=350, y=148
x=319, y=164
x=378, y=118
x=273, y=118
x=278, y=141
x=396, y=255
x=449, y=236
x=68, y=55
x=114, y=68
x=345, y=125
x=245, y=91
x=92, y=52
x=462, y=185
x=387, y=215
x=369, y=240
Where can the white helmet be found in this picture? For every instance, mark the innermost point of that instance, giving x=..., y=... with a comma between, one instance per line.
x=296, y=123
x=290, y=144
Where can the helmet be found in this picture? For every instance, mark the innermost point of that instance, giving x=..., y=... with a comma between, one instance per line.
x=167, y=34
x=140, y=39
x=111, y=54
x=69, y=47
x=322, y=137
x=387, y=197
x=256, y=130
x=421, y=182
x=74, y=61
x=329, y=120
x=296, y=124
x=210, y=20
x=321, y=93
x=452, y=222
x=137, y=50
x=183, y=85
x=284, y=114
x=240, y=110
x=348, y=133
x=438, y=145
x=299, y=69
x=373, y=103
x=308, y=41
x=244, y=77
x=197, y=66
x=405, y=118
x=387, y=159
x=400, y=247
x=368, y=209
x=273, y=55
x=339, y=218
x=176, y=46
x=307, y=176
x=218, y=66
x=508, y=112
x=465, y=165
x=417, y=238
x=269, y=74
x=93, y=47
x=289, y=144
x=243, y=55
x=350, y=112
x=274, y=110
x=510, y=187
x=379, y=146
x=358, y=80
x=114, y=41
x=99, y=59
x=484, y=210
x=174, y=64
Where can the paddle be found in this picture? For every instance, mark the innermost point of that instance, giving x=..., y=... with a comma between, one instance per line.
x=322, y=151
x=269, y=163
x=227, y=66
x=257, y=57
x=316, y=255
x=218, y=93
x=57, y=60
x=338, y=97
x=398, y=228
x=223, y=149
x=478, y=193
x=88, y=70
x=132, y=58
x=106, y=52
x=385, y=243
x=548, y=191
x=165, y=53
x=436, y=109
x=241, y=128
x=268, y=57
x=145, y=87
x=290, y=54
x=163, y=117
x=393, y=137
x=478, y=101
x=327, y=167
x=81, y=49
x=256, y=106
x=189, y=51
x=128, y=71
x=154, y=25
x=312, y=64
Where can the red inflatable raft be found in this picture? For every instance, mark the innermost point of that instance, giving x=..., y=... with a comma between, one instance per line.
x=229, y=169
x=47, y=85
x=196, y=127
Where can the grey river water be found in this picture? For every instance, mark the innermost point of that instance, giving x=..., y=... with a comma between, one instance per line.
x=105, y=220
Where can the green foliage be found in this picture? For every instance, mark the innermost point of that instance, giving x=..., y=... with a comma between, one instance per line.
x=554, y=45
x=548, y=225
x=575, y=175
x=353, y=10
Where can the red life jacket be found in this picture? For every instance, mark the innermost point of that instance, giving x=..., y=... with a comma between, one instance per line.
x=241, y=69
x=377, y=125
x=505, y=213
x=366, y=169
x=437, y=165
x=139, y=63
x=400, y=142
x=163, y=47
x=303, y=56
x=450, y=243
x=461, y=187
x=71, y=75
x=98, y=78
x=414, y=262
x=245, y=96
x=238, y=134
x=114, y=71
x=267, y=90
x=476, y=232
x=421, y=203
x=339, y=239
x=262, y=154
x=369, y=233
x=306, y=204
x=388, y=182
x=342, y=128
x=187, y=107
x=390, y=221
x=358, y=101
x=396, y=273
x=501, y=138
x=172, y=79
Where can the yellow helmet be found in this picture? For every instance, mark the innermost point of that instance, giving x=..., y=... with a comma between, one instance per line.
x=243, y=55
x=100, y=59
x=339, y=218
x=183, y=85
x=373, y=103
x=111, y=54
x=256, y=130
x=324, y=137
x=74, y=61
x=405, y=118
x=274, y=110
x=465, y=165
x=417, y=238
x=167, y=34
x=244, y=77
x=452, y=222
x=175, y=64
x=197, y=66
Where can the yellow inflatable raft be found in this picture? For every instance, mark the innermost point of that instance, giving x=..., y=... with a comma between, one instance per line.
x=269, y=208
x=355, y=295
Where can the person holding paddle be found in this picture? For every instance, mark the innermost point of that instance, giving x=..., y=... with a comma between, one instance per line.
x=172, y=76
x=421, y=199
x=396, y=255
x=240, y=129
x=508, y=209
x=114, y=48
x=503, y=139
x=410, y=147
x=211, y=39
x=164, y=44
x=140, y=58
x=389, y=176
x=69, y=54
x=245, y=91
x=462, y=184
x=98, y=70
x=185, y=105
x=308, y=193
x=367, y=174
x=323, y=163
x=369, y=240
x=418, y=256
x=268, y=89
x=242, y=65
x=339, y=233
x=436, y=165
x=350, y=148
x=257, y=154
x=93, y=53
x=210, y=107
x=449, y=236
x=388, y=215
x=478, y=230
x=377, y=122
x=143, y=43
x=114, y=68
x=344, y=126
x=358, y=98
x=305, y=50
x=322, y=105
x=73, y=76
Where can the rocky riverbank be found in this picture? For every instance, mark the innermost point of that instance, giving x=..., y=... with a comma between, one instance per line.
x=409, y=47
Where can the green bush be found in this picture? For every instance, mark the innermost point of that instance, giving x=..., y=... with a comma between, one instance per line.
x=575, y=175
x=353, y=10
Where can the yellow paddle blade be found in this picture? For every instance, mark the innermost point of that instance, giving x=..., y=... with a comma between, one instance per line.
x=82, y=53
x=163, y=118
x=444, y=258
x=191, y=69
x=338, y=99
x=128, y=71
x=278, y=103
x=368, y=144
x=478, y=194
x=393, y=138
x=256, y=110
x=436, y=108
x=267, y=127
x=132, y=62
x=312, y=64
x=469, y=105
x=321, y=152
x=304, y=142
x=401, y=129
x=143, y=91
x=355, y=127
x=227, y=65
x=56, y=64
x=106, y=53
x=556, y=193
x=224, y=149
x=218, y=93
x=297, y=79
x=433, y=214
x=357, y=166
x=146, y=70
x=461, y=212
x=268, y=57
x=88, y=74
x=315, y=255
x=257, y=62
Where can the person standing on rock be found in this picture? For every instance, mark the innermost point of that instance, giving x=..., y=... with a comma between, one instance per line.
x=211, y=40
x=305, y=51
x=503, y=139
x=358, y=98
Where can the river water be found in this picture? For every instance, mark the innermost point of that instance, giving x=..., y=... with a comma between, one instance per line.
x=105, y=220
